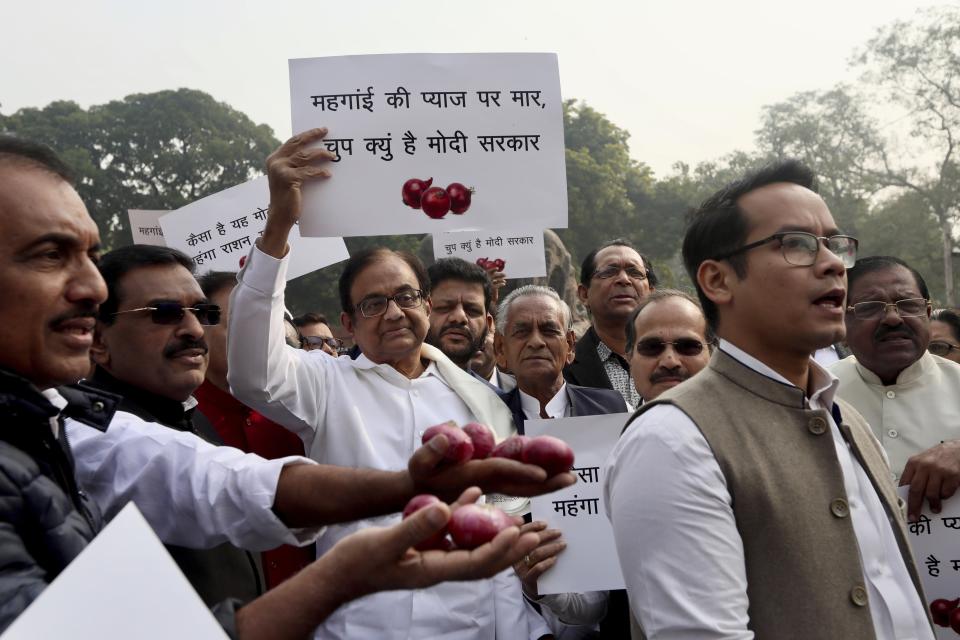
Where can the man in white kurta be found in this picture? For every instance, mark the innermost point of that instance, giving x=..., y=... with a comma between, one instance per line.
x=368, y=412
x=910, y=397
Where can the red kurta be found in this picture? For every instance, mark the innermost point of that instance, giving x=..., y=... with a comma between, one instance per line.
x=247, y=430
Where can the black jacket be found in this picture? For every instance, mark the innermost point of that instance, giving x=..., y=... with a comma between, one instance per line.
x=587, y=370
x=225, y=571
x=584, y=401
x=45, y=518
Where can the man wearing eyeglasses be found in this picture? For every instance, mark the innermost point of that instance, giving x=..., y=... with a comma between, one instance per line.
x=667, y=340
x=316, y=334
x=748, y=501
x=614, y=278
x=370, y=411
x=910, y=397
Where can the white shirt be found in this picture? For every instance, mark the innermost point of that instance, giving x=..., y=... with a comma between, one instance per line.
x=919, y=411
x=362, y=414
x=53, y=397
x=502, y=380
x=680, y=550
x=557, y=407
x=192, y=493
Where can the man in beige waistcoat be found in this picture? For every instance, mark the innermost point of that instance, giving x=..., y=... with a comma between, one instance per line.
x=747, y=501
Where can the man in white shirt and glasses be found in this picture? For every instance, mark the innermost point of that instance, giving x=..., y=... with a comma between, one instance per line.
x=747, y=501
x=910, y=397
x=367, y=412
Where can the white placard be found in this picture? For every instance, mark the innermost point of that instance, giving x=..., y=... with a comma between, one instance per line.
x=218, y=230
x=935, y=542
x=521, y=249
x=145, y=226
x=123, y=585
x=492, y=122
x=589, y=563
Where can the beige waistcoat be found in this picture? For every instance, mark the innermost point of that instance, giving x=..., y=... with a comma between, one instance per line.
x=804, y=577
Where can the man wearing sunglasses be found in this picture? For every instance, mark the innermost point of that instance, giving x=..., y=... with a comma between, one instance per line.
x=367, y=412
x=614, y=278
x=316, y=333
x=749, y=501
x=667, y=341
x=189, y=490
x=150, y=348
x=910, y=397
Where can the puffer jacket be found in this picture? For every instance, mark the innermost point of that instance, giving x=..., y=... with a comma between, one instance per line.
x=45, y=519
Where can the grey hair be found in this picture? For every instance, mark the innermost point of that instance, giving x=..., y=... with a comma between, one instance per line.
x=526, y=291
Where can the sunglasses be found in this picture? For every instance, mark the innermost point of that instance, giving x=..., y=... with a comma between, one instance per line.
x=653, y=347
x=317, y=341
x=173, y=312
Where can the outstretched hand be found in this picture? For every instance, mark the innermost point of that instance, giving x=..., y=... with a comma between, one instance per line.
x=431, y=473
x=378, y=559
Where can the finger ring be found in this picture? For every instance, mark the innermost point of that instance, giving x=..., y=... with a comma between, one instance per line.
x=526, y=560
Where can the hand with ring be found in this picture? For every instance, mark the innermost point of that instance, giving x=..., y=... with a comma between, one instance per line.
x=537, y=562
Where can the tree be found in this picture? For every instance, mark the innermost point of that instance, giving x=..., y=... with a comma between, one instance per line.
x=831, y=132
x=915, y=64
x=603, y=182
x=148, y=151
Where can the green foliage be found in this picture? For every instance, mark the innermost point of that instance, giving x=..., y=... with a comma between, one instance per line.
x=148, y=151
x=905, y=228
x=604, y=185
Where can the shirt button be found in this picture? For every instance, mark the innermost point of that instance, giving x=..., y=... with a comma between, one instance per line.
x=840, y=508
x=817, y=426
x=891, y=394
x=893, y=433
x=97, y=406
x=859, y=596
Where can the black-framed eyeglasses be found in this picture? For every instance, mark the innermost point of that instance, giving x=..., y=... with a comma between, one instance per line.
x=377, y=305
x=653, y=347
x=942, y=349
x=173, y=312
x=318, y=341
x=614, y=270
x=906, y=308
x=800, y=248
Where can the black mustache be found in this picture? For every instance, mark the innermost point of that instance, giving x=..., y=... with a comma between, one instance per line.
x=883, y=331
x=83, y=310
x=457, y=327
x=172, y=350
x=662, y=374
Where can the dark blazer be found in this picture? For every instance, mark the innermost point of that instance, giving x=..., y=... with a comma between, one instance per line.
x=583, y=402
x=586, y=370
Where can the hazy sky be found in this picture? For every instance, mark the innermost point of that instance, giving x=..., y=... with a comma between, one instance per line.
x=686, y=78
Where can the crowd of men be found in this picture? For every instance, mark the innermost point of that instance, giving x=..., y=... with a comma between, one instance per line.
x=752, y=492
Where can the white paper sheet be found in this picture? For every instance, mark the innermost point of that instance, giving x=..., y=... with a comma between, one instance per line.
x=496, y=124
x=935, y=541
x=521, y=249
x=218, y=230
x=145, y=226
x=589, y=563
x=124, y=585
